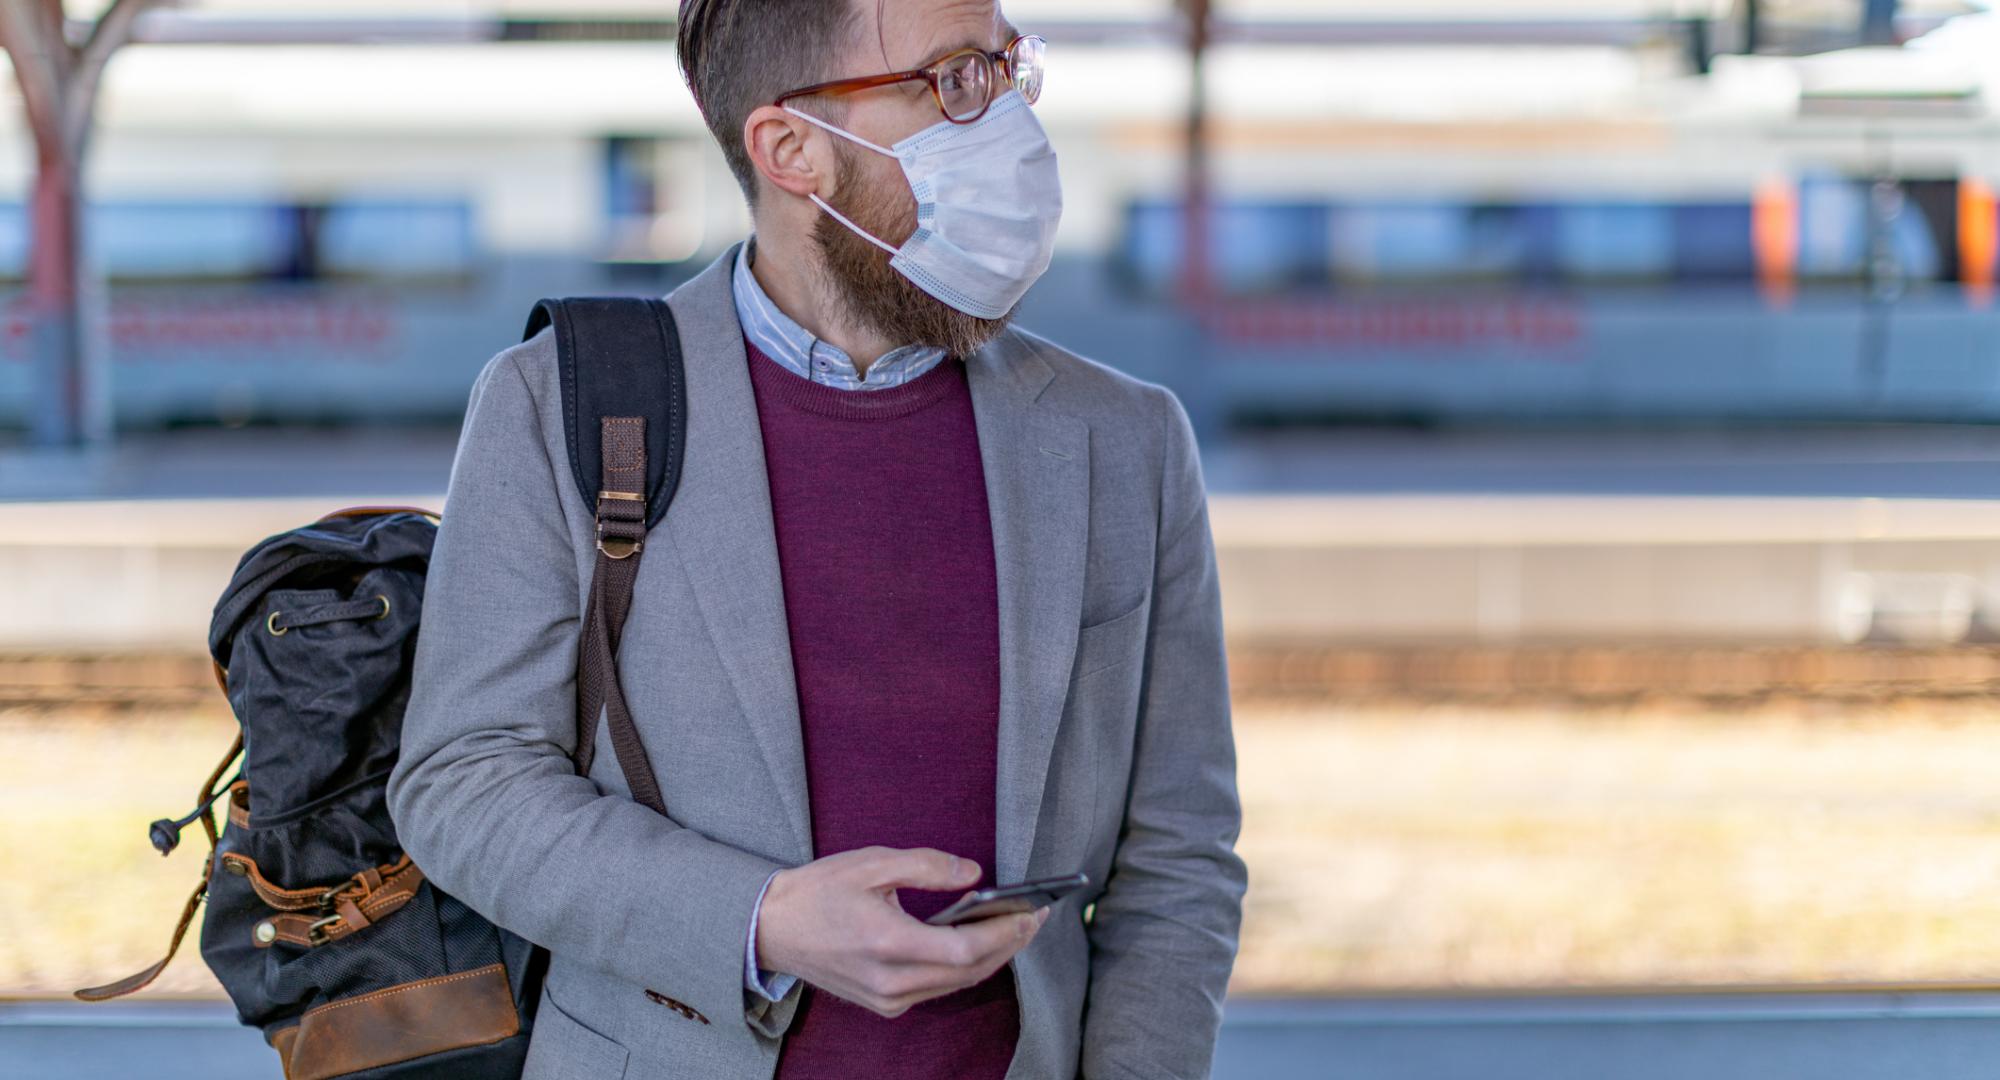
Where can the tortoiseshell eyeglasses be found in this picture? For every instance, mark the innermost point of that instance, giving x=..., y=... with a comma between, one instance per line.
x=961, y=82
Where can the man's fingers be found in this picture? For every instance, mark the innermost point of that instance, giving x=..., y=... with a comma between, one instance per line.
x=919, y=868
x=894, y=985
x=966, y=945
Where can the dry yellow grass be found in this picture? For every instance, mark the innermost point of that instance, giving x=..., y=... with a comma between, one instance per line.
x=1390, y=845
x=84, y=898
x=1450, y=846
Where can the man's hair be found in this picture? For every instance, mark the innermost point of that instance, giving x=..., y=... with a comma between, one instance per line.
x=737, y=55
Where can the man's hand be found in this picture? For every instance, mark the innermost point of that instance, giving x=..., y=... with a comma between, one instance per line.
x=835, y=923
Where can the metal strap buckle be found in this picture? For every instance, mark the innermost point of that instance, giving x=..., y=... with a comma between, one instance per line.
x=617, y=547
x=353, y=886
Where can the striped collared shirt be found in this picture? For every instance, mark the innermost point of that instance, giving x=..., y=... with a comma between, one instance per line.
x=780, y=337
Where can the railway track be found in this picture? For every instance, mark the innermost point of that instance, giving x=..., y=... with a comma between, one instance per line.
x=129, y=681
x=1586, y=673
x=108, y=681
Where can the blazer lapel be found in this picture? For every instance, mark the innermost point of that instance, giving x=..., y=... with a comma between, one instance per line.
x=1037, y=474
x=720, y=523
x=1037, y=465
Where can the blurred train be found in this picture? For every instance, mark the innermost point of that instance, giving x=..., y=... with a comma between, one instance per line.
x=345, y=234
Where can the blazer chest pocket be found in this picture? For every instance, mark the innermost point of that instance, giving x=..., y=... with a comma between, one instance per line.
x=1112, y=643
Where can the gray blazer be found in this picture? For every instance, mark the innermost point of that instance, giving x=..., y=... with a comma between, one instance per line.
x=1115, y=752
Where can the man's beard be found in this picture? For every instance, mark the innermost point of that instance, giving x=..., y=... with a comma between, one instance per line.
x=860, y=279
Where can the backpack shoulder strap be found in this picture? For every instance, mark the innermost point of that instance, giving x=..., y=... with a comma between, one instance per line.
x=625, y=424
x=619, y=356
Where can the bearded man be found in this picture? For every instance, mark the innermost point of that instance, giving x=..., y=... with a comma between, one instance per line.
x=938, y=610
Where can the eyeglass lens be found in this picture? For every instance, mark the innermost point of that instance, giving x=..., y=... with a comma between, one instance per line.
x=965, y=81
x=1025, y=64
x=963, y=85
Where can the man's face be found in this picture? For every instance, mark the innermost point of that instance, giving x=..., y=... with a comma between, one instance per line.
x=901, y=35
x=871, y=189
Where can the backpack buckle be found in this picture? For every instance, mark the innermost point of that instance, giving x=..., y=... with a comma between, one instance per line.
x=617, y=547
x=317, y=932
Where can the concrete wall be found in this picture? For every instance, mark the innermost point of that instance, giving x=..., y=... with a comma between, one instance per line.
x=145, y=574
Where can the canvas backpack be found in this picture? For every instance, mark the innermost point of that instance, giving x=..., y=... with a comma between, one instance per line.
x=319, y=927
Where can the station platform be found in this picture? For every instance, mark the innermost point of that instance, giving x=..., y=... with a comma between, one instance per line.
x=1873, y=1034
x=1810, y=538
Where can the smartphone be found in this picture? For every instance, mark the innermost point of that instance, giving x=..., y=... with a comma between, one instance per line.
x=1004, y=899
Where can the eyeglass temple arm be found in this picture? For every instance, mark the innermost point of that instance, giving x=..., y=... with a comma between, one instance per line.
x=849, y=86
x=868, y=82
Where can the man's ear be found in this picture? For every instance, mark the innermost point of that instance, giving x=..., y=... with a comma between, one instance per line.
x=783, y=150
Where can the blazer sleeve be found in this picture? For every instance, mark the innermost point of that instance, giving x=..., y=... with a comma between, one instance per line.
x=1163, y=934
x=485, y=796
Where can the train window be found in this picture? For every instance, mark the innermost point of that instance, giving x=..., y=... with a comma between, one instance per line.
x=253, y=241
x=14, y=239
x=1253, y=247
x=403, y=239
x=1923, y=216
x=1820, y=229
x=653, y=198
x=192, y=239
x=1615, y=241
x=1832, y=230
x=1426, y=242
x=1901, y=231
x=1713, y=242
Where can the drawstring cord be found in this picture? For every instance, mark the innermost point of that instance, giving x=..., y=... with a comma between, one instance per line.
x=166, y=834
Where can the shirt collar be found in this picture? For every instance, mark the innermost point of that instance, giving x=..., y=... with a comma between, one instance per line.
x=780, y=337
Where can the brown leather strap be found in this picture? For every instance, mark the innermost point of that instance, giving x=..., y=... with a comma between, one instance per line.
x=309, y=917
x=292, y=929
x=208, y=791
x=243, y=866
x=239, y=804
x=621, y=532
x=140, y=979
x=372, y=511
x=397, y=1024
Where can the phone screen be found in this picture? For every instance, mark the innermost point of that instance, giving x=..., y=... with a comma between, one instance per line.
x=1005, y=899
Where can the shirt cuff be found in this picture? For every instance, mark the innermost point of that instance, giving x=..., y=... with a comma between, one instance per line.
x=769, y=985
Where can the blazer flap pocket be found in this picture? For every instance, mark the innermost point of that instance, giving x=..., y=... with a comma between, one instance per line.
x=1112, y=642
x=563, y=1048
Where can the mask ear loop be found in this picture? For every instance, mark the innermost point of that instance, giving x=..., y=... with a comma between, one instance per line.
x=842, y=132
x=858, y=230
x=822, y=203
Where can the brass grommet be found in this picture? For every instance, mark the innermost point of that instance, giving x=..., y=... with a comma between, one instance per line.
x=271, y=624
x=384, y=597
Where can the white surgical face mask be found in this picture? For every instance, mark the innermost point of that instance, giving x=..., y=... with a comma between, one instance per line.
x=988, y=200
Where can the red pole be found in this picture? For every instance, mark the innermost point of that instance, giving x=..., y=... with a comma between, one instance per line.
x=58, y=81
x=63, y=416
x=1196, y=286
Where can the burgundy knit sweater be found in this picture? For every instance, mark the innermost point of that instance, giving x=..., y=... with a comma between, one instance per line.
x=886, y=553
